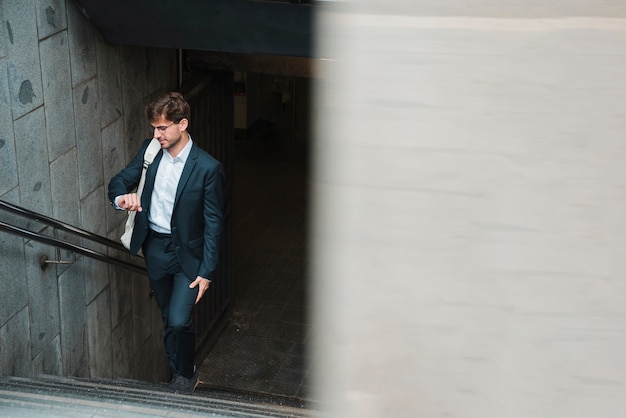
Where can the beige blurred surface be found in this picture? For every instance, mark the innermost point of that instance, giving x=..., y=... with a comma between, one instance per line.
x=470, y=212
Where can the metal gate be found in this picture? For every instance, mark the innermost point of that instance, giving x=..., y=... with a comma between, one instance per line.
x=212, y=128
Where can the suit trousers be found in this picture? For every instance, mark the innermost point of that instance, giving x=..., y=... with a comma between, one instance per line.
x=175, y=299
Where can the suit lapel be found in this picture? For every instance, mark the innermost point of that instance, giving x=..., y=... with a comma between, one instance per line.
x=184, y=177
x=146, y=195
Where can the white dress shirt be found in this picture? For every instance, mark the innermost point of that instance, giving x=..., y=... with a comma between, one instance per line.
x=165, y=185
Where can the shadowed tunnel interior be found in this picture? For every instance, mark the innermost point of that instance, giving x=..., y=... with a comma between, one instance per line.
x=263, y=348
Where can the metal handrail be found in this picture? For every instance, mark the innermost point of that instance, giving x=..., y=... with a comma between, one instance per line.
x=25, y=233
x=55, y=223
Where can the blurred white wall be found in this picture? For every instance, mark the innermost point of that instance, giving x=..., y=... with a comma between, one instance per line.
x=469, y=188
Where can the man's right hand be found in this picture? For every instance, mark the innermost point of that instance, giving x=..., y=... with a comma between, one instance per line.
x=129, y=201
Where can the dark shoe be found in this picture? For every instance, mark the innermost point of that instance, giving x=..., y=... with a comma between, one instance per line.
x=182, y=384
x=174, y=377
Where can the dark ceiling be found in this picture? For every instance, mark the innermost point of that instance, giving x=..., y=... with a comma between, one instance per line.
x=232, y=26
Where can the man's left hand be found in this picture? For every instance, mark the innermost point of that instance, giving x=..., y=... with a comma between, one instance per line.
x=203, y=285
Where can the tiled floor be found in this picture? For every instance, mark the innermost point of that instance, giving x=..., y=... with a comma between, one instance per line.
x=263, y=349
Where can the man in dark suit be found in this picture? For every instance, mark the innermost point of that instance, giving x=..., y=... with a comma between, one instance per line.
x=177, y=226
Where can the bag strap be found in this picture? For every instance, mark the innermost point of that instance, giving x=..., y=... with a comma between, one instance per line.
x=148, y=157
x=151, y=152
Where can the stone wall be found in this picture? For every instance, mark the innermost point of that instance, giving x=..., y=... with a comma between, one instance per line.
x=71, y=115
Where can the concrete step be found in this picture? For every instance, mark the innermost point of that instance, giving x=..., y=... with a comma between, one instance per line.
x=54, y=396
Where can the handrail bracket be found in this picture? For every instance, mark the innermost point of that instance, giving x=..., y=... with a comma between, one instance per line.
x=44, y=260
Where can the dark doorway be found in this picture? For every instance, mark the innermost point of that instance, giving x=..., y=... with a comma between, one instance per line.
x=263, y=348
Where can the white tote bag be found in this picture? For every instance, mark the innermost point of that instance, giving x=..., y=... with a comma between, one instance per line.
x=148, y=157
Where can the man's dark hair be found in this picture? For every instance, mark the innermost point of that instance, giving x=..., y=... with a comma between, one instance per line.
x=172, y=106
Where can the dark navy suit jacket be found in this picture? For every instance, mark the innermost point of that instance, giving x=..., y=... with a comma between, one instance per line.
x=198, y=208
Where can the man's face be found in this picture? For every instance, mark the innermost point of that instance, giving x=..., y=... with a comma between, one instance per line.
x=169, y=133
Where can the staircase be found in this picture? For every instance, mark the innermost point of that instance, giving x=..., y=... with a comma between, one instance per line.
x=54, y=396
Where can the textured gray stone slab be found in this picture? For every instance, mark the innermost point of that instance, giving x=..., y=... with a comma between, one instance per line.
x=143, y=306
x=48, y=361
x=92, y=210
x=99, y=336
x=150, y=360
x=8, y=160
x=57, y=87
x=51, y=17
x=32, y=157
x=113, y=146
x=23, y=53
x=96, y=278
x=122, y=347
x=13, y=197
x=65, y=203
x=64, y=188
x=92, y=217
x=3, y=50
x=134, y=98
x=13, y=286
x=121, y=294
x=109, y=82
x=43, y=296
x=15, y=346
x=82, y=38
x=89, y=146
x=73, y=319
